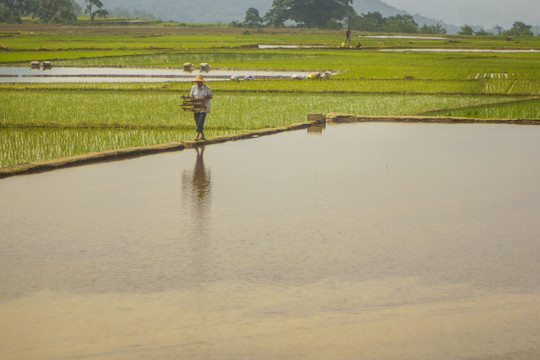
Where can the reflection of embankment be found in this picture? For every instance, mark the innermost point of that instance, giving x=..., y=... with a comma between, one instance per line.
x=350, y=118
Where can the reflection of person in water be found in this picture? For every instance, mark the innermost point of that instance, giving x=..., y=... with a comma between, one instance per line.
x=201, y=177
x=196, y=189
x=196, y=184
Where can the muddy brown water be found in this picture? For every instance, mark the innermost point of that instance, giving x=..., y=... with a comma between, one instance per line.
x=359, y=241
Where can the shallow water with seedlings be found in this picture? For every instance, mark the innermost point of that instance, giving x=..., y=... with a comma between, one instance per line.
x=358, y=241
x=119, y=74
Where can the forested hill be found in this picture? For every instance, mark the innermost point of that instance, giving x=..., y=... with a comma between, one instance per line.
x=212, y=11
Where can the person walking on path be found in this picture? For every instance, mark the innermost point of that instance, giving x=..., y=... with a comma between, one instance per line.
x=201, y=91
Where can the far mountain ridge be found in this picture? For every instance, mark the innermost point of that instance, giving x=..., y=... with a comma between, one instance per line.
x=225, y=11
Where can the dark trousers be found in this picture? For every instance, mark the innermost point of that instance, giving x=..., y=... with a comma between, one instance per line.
x=199, y=120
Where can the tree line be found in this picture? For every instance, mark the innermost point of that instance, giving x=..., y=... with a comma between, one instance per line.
x=372, y=21
x=518, y=29
x=329, y=14
x=49, y=11
x=333, y=14
x=336, y=14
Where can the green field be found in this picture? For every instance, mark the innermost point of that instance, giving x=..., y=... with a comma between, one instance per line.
x=46, y=121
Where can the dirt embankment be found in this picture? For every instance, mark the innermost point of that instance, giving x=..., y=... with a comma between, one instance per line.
x=351, y=118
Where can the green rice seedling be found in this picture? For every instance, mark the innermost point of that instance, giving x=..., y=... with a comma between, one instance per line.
x=356, y=86
x=19, y=145
x=511, y=87
x=524, y=109
x=156, y=118
x=105, y=116
x=368, y=65
x=198, y=36
x=24, y=57
x=89, y=108
x=138, y=109
x=218, y=58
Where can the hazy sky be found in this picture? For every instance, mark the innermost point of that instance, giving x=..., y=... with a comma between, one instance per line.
x=474, y=12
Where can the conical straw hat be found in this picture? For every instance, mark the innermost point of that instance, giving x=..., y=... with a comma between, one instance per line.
x=198, y=78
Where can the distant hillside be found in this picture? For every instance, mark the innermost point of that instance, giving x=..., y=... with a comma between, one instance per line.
x=193, y=11
x=365, y=6
x=211, y=11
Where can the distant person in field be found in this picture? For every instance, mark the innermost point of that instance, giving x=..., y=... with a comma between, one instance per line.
x=348, y=36
x=201, y=91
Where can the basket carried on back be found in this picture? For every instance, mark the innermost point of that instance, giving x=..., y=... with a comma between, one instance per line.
x=191, y=104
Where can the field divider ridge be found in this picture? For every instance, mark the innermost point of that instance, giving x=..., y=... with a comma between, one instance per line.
x=338, y=118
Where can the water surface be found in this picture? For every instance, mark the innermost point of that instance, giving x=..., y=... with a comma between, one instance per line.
x=364, y=241
x=104, y=74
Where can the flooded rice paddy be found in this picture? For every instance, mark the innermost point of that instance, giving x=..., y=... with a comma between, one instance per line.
x=104, y=74
x=402, y=37
x=360, y=241
x=510, y=51
x=486, y=50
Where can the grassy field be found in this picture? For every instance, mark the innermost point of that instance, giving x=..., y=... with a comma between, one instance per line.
x=198, y=37
x=233, y=111
x=45, y=121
